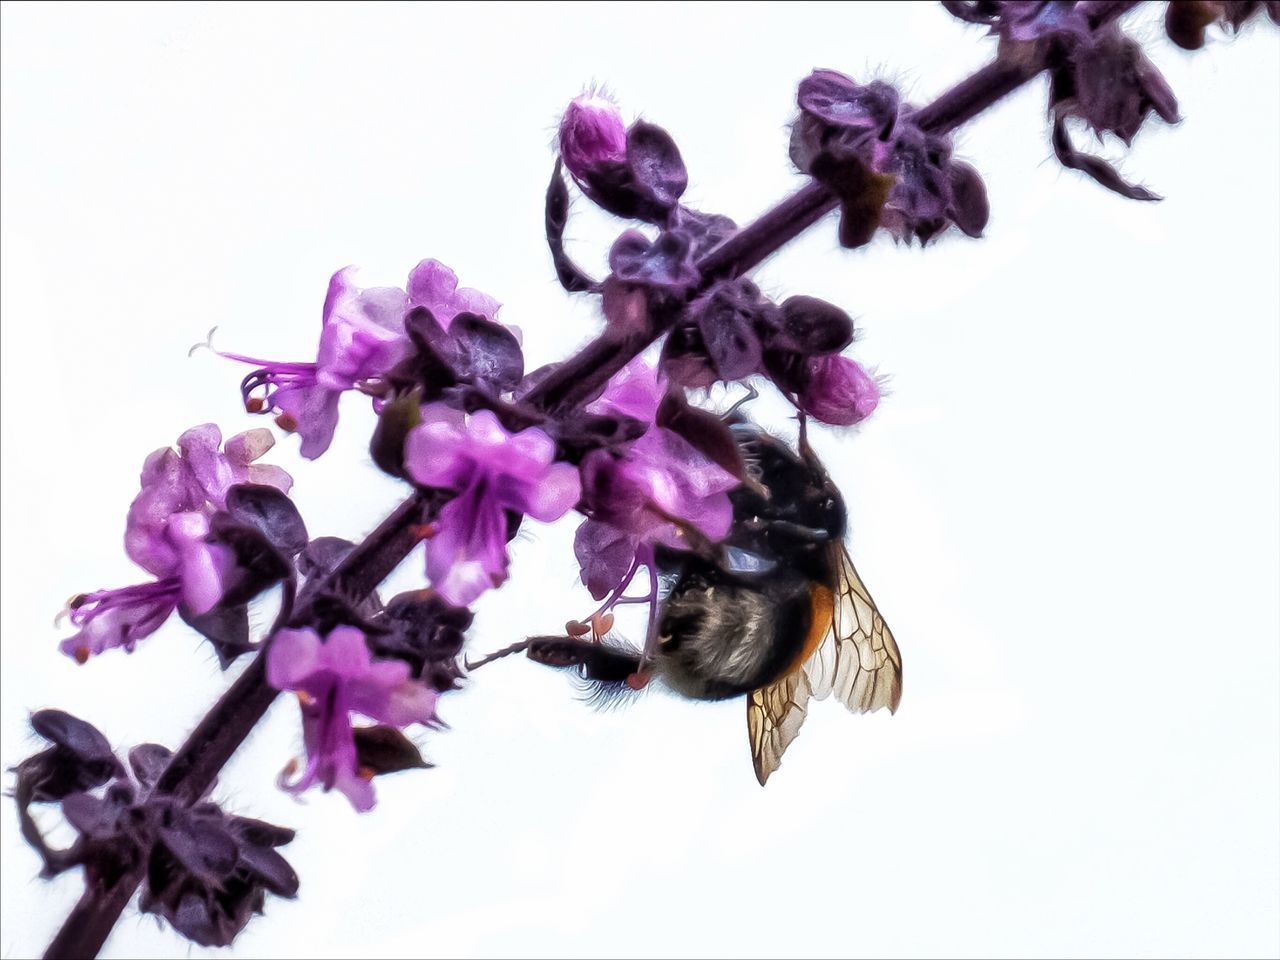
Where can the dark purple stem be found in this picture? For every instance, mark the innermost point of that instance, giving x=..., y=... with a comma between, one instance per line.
x=193, y=768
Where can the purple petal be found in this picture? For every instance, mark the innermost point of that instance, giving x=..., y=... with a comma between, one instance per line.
x=605, y=554
x=468, y=554
x=294, y=655
x=314, y=411
x=269, y=475
x=341, y=289
x=244, y=448
x=431, y=283
x=436, y=452
x=634, y=391
x=345, y=653
x=555, y=494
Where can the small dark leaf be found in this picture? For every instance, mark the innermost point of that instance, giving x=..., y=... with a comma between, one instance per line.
x=870, y=109
x=384, y=749
x=147, y=761
x=197, y=920
x=322, y=556
x=271, y=869
x=421, y=629
x=259, y=562
x=226, y=628
x=204, y=848
x=704, y=430
x=92, y=816
x=270, y=511
x=580, y=432
x=684, y=357
x=328, y=610
x=486, y=352
x=810, y=325
x=430, y=366
x=656, y=164
x=969, y=208
x=571, y=277
x=83, y=740
x=1094, y=167
x=728, y=319
x=705, y=231
x=666, y=262
x=786, y=369
x=259, y=833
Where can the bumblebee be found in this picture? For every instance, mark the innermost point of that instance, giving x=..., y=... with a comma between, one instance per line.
x=777, y=613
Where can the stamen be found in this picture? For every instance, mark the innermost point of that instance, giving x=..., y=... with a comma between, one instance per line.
x=206, y=345
x=576, y=628
x=287, y=422
x=82, y=655
x=601, y=624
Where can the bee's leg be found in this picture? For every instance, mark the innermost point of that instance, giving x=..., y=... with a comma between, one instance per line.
x=797, y=531
x=499, y=654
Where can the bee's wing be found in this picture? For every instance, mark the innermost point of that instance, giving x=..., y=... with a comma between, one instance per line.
x=858, y=661
x=774, y=715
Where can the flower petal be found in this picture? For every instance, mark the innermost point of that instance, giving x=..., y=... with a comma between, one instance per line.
x=294, y=655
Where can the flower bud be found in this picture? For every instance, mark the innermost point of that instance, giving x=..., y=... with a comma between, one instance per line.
x=591, y=133
x=839, y=391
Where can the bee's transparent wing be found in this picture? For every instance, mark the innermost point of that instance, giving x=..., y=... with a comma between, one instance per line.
x=774, y=715
x=858, y=661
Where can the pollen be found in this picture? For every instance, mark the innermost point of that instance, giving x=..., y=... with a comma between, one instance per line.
x=305, y=699
x=365, y=773
x=638, y=681
x=287, y=422
x=82, y=655
x=576, y=628
x=255, y=404
x=424, y=531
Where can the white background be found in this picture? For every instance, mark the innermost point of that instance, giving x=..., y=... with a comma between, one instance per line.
x=1067, y=507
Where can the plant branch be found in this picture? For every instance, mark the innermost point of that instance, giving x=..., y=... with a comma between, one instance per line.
x=194, y=767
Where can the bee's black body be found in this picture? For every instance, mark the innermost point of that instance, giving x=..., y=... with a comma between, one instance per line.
x=736, y=624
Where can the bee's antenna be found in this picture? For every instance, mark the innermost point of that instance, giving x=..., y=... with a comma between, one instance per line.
x=499, y=654
x=752, y=393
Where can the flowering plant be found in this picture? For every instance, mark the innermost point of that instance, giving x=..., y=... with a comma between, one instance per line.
x=484, y=446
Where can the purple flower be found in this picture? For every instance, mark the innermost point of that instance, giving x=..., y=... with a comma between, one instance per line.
x=362, y=337
x=167, y=534
x=435, y=286
x=335, y=678
x=492, y=471
x=193, y=478
x=654, y=490
x=838, y=391
x=591, y=133
x=190, y=571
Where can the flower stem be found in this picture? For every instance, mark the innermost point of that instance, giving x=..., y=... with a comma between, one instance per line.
x=193, y=768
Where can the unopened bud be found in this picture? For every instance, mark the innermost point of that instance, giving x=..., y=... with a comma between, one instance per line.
x=591, y=132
